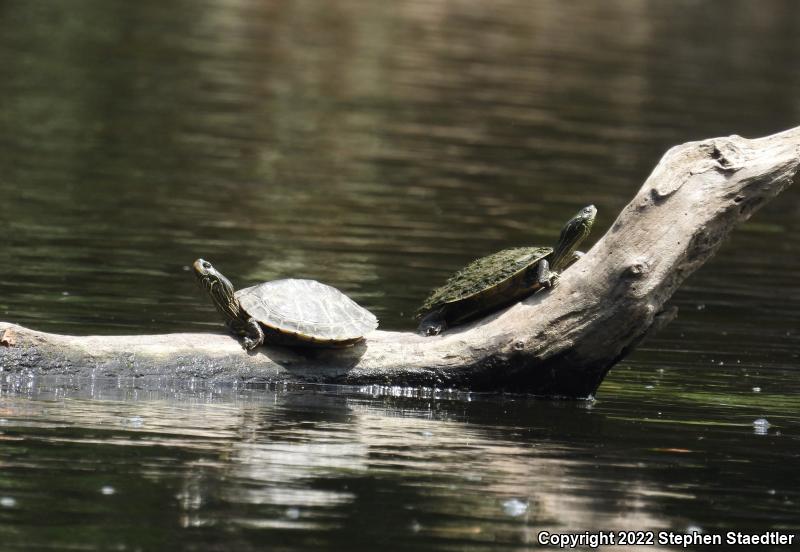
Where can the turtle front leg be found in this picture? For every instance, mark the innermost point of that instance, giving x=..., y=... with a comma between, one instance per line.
x=433, y=323
x=254, y=335
x=541, y=276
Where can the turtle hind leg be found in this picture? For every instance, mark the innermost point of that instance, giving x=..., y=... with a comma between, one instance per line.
x=433, y=323
x=254, y=335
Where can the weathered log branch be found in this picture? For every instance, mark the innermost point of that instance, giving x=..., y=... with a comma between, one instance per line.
x=556, y=343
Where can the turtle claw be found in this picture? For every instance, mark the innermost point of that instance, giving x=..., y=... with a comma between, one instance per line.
x=432, y=330
x=433, y=324
x=250, y=344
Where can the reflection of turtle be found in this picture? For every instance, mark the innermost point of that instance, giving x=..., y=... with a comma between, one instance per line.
x=287, y=312
x=492, y=282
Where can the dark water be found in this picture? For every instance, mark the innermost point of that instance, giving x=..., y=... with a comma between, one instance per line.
x=378, y=147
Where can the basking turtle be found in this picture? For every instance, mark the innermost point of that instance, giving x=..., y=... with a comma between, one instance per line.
x=492, y=282
x=287, y=312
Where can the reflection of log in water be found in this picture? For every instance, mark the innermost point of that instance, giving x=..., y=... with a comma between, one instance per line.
x=558, y=343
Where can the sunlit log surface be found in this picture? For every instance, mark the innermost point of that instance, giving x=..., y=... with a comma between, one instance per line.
x=557, y=343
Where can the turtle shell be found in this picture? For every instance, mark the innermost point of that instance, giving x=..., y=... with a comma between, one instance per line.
x=307, y=310
x=498, y=273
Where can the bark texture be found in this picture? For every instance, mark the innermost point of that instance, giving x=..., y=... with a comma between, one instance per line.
x=561, y=342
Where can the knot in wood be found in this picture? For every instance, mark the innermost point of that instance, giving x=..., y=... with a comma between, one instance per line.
x=721, y=154
x=637, y=269
x=664, y=189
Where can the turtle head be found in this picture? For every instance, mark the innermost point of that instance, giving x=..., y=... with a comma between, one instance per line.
x=573, y=233
x=219, y=289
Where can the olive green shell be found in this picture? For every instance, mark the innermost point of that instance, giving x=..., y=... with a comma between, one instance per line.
x=500, y=273
x=307, y=310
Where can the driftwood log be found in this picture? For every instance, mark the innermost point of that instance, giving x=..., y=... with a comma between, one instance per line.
x=556, y=343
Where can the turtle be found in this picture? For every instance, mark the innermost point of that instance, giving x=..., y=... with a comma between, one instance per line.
x=291, y=312
x=490, y=283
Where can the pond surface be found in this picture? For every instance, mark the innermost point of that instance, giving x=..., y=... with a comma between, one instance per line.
x=378, y=147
